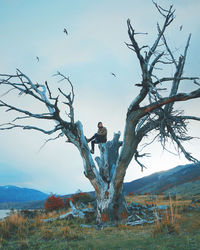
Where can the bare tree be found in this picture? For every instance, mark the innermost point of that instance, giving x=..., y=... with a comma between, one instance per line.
x=159, y=115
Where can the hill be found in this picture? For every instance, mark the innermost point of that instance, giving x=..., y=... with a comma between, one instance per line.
x=16, y=194
x=183, y=180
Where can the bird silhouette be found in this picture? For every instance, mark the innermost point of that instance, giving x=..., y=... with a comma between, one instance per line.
x=65, y=31
x=181, y=27
x=37, y=58
x=113, y=74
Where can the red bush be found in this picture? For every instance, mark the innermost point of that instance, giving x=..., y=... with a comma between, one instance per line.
x=53, y=203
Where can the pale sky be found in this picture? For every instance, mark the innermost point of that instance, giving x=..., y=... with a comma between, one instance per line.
x=94, y=48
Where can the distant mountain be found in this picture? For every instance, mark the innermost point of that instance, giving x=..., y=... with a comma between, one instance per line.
x=183, y=180
x=15, y=194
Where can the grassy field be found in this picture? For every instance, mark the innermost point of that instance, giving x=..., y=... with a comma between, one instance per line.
x=178, y=229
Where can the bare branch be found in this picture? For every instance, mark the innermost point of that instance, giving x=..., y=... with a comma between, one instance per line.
x=169, y=126
x=187, y=155
x=169, y=51
x=178, y=74
x=50, y=95
x=169, y=17
x=137, y=155
x=51, y=139
x=131, y=33
x=176, y=98
x=163, y=11
x=26, y=86
x=197, y=83
x=67, y=78
x=167, y=79
x=156, y=60
x=141, y=122
x=7, y=92
x=149, y=143
x=187, y=117
x=12, y=108
x=69, y=97
x=8, y=126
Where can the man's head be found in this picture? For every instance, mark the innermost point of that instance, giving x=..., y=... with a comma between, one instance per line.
x=100, y=125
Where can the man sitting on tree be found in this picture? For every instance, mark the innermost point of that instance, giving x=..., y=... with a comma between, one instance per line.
x=99, y=137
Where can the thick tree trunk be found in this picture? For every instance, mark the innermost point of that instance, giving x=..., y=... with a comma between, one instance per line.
x=111, y=208
x=111, y=205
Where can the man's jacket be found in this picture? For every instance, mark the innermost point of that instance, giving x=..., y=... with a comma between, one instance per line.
x=102, y=133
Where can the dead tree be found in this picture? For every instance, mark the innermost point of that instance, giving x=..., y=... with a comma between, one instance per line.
x=159, y=115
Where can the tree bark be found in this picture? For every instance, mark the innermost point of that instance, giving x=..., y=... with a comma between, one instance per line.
x=111, y=207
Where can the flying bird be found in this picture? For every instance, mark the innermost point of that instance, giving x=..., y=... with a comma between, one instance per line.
x=37, y=58
x=181, y=27
x=65, y=31
x=113, y=74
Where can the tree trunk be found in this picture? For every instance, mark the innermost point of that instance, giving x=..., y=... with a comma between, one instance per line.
x=111, y=203
x=111, y=208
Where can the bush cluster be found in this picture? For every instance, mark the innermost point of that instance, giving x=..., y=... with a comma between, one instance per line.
x=54, y=203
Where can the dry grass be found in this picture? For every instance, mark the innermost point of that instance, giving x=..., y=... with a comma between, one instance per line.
x=53, y=214
x=14, y=224
x=180, y=226
x=37, y=222
x=156, y=200
x=168, y=224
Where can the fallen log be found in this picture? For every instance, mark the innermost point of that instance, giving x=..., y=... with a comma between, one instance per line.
x=75, y=213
